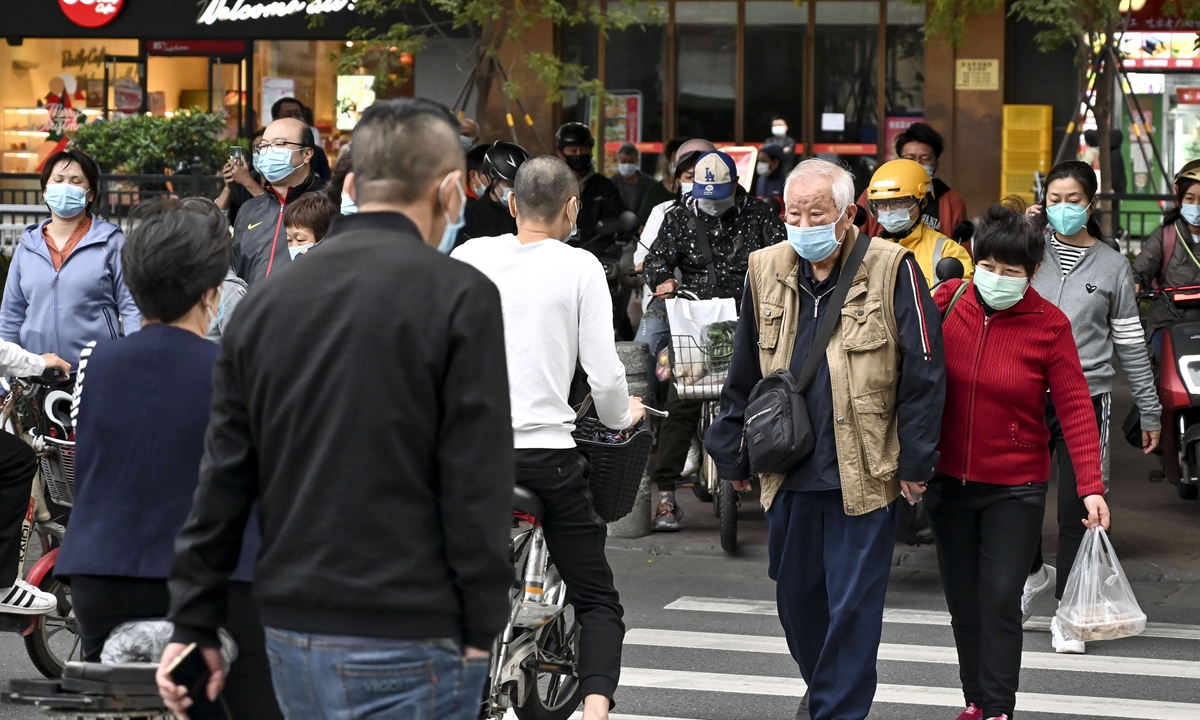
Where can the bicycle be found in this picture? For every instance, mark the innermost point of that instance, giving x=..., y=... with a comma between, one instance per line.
x=29, y=412
x=534, y=667
x=699, y=373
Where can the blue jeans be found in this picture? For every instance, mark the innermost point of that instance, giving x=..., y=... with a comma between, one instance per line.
x=328, y=677
x=655, y=331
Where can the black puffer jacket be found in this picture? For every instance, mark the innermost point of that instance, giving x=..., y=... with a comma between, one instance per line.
x=259, y=238
x=750, y=226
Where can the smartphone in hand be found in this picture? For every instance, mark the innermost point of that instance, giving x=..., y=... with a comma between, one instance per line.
x=236, y=154
x=191, y=671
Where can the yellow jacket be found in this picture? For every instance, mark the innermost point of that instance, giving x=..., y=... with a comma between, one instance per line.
x=928, y=246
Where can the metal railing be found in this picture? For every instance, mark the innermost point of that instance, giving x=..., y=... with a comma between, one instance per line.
x=21, y=202
x=1134, y=216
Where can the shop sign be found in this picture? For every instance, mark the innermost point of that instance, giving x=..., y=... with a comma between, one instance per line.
x=91, y=13
x=1188, y=95
x=196, y=47
x=1160, y=63
x=83, y=58
x=977, y=74
x=222, y=10
x=893, y=128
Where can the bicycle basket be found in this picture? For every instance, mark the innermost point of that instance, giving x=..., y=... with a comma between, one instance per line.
x=58, y=470
x=699, y=372
x=617, y=465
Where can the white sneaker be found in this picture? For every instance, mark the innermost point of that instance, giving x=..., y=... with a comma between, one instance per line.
x=692, y=465
x=24, y=599
x=1062, y=643
x=1037, y=585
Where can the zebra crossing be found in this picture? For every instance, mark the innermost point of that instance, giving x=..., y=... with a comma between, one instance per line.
x=1157, y=673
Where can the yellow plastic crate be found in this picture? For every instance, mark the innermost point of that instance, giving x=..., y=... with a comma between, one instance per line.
x=1024, y=140
x=1016, y=184
x=1032, y=117
x=1025, y=161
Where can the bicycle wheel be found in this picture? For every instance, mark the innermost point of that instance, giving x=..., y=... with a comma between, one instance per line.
x=55, y=637
x=729, y=516
x=554, y=695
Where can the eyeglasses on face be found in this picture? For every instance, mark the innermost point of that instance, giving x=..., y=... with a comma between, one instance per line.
x=278, y=145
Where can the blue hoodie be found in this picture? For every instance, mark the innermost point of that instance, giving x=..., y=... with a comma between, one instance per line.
x=60, y=312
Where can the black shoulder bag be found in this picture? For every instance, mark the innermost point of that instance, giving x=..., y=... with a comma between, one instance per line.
x=778, y=432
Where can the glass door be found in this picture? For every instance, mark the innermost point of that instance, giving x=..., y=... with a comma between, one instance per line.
x=125, y=86
x=227, y=91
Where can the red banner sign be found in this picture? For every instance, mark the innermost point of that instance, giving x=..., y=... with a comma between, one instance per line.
x=91, y=13
x=1161, y=63
x=196, y=47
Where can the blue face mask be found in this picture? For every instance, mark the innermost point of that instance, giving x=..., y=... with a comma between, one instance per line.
x=298, y=250
x=65, y=201
x=896, y=221
x=685, y=189
x=274, y=164
x=999, y=291
x=1191, y=214
x=815, y=243
x=1067, y=218
x=928, y=170
x=450, y=234
x=348, y=206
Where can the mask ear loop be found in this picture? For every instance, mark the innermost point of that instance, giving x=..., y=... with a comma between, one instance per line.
x=461, y=194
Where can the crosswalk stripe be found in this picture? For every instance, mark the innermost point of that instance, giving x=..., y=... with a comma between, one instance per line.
x=906, y=694
x=921, y=654
x=1170, y=631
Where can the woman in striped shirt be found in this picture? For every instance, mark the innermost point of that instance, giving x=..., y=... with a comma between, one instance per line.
x=1094, y=286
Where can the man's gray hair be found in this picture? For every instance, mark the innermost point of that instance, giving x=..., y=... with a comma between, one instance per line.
x=543, y=186
x=841, y=182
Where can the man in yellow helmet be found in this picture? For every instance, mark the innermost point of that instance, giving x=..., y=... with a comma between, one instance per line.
x=897, y=193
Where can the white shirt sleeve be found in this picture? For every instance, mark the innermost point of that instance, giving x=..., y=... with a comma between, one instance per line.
x=15, y=361
x=650, y=232
x=598, y=350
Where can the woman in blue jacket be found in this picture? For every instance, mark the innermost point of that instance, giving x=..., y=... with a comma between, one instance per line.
x=141, y=410
x=65, y=287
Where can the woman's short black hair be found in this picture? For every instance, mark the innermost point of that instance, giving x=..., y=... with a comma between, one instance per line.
x=90, y=169
x=174, y=253
x=344, y=166
x=1008, y=237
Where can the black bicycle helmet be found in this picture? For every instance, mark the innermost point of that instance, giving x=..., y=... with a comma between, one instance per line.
x=501, y=161
x=574, y=133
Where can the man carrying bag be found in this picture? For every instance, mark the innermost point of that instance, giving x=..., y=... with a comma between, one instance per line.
x=841, y=435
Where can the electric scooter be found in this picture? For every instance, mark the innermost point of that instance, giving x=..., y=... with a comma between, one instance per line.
x=1178, y=371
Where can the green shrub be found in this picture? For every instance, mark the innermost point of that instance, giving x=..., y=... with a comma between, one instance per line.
x=151, y=145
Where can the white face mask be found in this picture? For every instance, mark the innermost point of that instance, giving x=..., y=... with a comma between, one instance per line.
x=778, y=130
x=763, y=168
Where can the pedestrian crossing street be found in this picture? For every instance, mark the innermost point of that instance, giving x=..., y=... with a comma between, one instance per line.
x=699, y=693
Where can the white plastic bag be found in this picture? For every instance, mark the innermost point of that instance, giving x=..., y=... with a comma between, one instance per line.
x=689, y=321
x=1098, y=603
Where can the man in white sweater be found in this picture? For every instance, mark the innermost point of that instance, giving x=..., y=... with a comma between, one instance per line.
x=557, y=313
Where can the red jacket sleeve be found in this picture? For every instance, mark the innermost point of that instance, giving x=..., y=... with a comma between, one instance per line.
x=951, y=211
x=1073, y=403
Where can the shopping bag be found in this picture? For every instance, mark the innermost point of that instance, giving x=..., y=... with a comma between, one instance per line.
x=1098, y=603
x=701, y=336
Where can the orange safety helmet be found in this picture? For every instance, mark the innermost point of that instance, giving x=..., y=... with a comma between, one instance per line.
x=897, y=179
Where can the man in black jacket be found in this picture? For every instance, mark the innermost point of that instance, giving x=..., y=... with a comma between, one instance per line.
x=375, y=438
x=599, y=196
x=283, y=157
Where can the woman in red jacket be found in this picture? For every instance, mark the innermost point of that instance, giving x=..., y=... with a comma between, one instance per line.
x=1005, y=348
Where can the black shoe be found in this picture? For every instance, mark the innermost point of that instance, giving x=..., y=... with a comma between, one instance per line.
x=802, y=711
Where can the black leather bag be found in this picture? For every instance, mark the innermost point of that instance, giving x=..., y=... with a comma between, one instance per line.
x=777, y=431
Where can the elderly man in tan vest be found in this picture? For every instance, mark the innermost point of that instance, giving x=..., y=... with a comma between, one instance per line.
x=875, y=406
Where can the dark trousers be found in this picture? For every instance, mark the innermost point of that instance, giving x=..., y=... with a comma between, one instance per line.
x=103, y=602
x=1071, y=510
x=18, y=463
x=575, y=537
x=986, y=536
x=831, y=573
x=674, y=440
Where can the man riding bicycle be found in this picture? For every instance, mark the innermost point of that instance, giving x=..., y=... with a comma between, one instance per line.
x=557, y=313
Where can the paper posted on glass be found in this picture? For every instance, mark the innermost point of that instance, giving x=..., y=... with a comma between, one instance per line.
x=702, y=334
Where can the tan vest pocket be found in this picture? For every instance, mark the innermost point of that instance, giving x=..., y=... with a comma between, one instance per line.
x=770, y=322
x=875, y=416
x=862, y=326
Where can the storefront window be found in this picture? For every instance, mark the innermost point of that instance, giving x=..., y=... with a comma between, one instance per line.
x=905, y=59
x=706, y=68
x=580, y=46
x=304, y=67
x=636, y=62
x=847, y=82
x=774, y=56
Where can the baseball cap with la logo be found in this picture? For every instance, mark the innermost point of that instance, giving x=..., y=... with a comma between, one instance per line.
x=714, y=177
